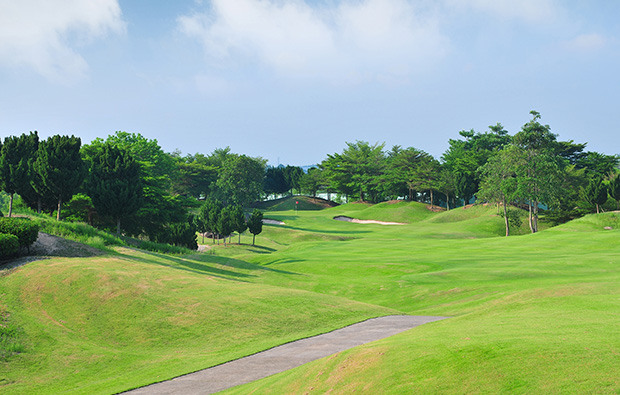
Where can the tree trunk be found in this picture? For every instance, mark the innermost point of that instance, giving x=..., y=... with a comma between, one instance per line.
x=529, y=205
x=506, y=217
x=431, y=198
x=253, y=238
x=118, y=227
x=239, y=238
x=11, y=205
x=447, y=202
x=536, y=216
x=203, y=237
x=597, y=209
x=39, y=206
x=59, y=205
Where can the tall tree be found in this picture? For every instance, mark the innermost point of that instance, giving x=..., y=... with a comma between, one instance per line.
x=596, y=192
x=464, y=156
x=225, y=222
x=60, y=167
x=241, y=179
x=255, y=224
x=160, y=205
x=238, y=219
x=292, y=177
x=358, y=170
x=16, y=155
x=614, y=190
x=114, y=184
x=540, y=177
x=499, y=179
x=311, y=181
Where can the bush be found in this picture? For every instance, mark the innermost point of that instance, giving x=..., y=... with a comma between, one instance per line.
x=26, y=231
x=9, y=245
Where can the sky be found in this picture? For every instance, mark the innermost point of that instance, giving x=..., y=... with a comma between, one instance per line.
x=292, y=81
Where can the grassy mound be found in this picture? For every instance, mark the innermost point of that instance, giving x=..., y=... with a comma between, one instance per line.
x=292, y=202
x=107, y=324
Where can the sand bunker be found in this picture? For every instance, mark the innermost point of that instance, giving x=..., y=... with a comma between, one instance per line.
x=365, y=221
x=272, y=222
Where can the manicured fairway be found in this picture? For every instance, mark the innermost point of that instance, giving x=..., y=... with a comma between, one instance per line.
x=531, y=314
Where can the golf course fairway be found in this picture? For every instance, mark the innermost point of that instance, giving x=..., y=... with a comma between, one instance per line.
x=531, y=313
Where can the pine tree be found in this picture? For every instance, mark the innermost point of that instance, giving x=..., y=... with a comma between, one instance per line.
x=114, y=184
x=60, y=167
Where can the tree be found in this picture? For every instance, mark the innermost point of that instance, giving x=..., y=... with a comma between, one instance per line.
x=255, y=224
x=311, y=181
x=499, y=179
x=595, y=192
x=60, y=167
x=160, y=205
x=404, y=166
x=241, y=179
x=114, y=183
x=292, y=177
x=225, y=225
x=614, y=190
x=238, y=219
x=540, y=176
x=16, y=155
x=275, y=182
x=358, y=170
x=465, y=156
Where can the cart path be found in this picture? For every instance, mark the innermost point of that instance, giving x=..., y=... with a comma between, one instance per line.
x=284, y=357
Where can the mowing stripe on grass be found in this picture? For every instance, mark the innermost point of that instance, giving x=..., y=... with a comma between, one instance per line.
x=284, y=357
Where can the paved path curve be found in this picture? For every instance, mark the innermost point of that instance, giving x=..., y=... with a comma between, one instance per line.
x=284, y=357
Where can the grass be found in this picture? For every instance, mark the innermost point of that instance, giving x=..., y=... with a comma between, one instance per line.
x=530, y=314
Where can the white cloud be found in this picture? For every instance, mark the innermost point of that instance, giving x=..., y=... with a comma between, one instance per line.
x=36, y=33
x=586, y=43
x=350, y=41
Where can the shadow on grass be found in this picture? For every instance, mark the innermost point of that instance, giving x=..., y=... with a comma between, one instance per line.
x=336, y=232
x=193, y=266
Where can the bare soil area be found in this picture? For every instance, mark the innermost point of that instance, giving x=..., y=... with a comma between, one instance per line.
x=48, y=246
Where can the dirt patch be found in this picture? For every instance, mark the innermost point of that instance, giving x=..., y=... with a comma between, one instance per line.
x=272, y=221
x=435, y=209
x=48, y=246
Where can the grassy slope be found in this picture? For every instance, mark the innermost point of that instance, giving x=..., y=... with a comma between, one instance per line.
x=536, y=313
x=531, y=314
x=106, y=324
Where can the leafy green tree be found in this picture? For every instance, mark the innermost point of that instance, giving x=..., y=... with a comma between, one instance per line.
x=614, y=190
x=16, y=154
x=426, y=175
x=499, y=179
x=275, y=181
x=464, y=156
x=114, y=183
x=160, y=205
x=192, y=178
x=311, y=181
x=208, y=215
x=595, y=192
x=540, y=176
x=405, y=166
x=255, y=224
x=359, y=170
x=238, y=219
x=60, y=167
x=292, y=177
x=225, y=222
x=241, y=179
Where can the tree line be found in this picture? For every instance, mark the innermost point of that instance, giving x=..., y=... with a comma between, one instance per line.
x=128, y=184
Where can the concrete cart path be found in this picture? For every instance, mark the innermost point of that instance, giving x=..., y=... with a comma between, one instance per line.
x=284, y=357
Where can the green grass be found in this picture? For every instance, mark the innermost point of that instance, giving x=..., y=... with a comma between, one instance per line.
x=530, y=314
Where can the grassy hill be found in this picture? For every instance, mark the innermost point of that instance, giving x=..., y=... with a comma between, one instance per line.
x=530, y=314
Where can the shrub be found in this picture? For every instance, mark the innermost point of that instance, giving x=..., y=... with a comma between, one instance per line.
x=26, y=231
x=9, y=245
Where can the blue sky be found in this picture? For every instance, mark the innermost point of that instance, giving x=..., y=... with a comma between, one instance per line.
x=292, y=81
